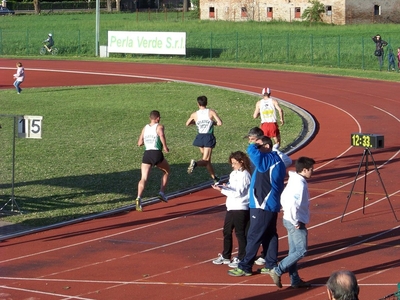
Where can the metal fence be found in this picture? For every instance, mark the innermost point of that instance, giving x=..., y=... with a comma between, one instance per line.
x=295, y=49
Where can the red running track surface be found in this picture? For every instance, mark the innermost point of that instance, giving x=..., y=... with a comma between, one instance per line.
x=166, y=251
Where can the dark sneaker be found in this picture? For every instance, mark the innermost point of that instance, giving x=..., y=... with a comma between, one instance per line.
x=276, y=278
x=191, y=167
x=162, y=197
x=264, y=271
x=301, y=284
x=138, y=204
x=238, y=272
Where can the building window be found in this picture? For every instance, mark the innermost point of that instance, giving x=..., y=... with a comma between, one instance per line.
x=270, y=13
x=328, y=10
x=244, y=12
x=211, y=13
x=377, y=10
x=297, y=12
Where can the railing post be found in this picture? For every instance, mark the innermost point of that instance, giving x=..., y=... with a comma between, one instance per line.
x=339, y=51
x=311, y=50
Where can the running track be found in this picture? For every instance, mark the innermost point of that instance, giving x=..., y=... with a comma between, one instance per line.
x=166, y=251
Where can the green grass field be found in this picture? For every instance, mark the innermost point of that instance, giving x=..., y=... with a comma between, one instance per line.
x=87, y=160
x=258, y=43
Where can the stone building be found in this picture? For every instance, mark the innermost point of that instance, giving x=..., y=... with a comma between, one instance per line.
x=338, y=12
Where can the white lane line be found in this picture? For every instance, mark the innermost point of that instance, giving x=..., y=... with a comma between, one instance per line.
x=30, y=291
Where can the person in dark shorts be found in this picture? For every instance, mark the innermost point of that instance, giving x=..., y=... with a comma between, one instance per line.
x=205, y=119
x=153, y=138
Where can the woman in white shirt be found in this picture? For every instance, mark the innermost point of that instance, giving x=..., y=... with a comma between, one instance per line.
x=237, y=204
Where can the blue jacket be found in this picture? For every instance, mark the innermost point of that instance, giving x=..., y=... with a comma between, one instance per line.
x=267, y=181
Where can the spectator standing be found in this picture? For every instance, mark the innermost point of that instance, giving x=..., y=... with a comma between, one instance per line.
x=205, y=119
x=398, y=58
x=237, y=204
x=342, y=285
x=19, y=77
x=391, y=60
x=153, y=138
x=296, y=214
x=379, y=52
x=266, y=186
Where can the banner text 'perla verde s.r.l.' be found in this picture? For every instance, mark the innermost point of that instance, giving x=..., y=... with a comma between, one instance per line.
x=147, y=42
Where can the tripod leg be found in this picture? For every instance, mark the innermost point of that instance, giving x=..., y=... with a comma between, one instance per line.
x=367, y=152
x=380, y=179
x=354, y=183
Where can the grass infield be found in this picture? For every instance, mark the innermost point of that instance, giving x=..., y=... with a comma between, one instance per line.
x=88, y=160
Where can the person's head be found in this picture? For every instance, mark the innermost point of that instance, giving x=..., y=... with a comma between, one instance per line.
x=155, y=115
x=19, y=65
x=254, y=135
x=265, y=144
x=240, y=161
x=342, y=285
x=398, y=49
x=305, y=166
x=378, y=36
x=266, y=92
x=202, y=101
x=50, y=35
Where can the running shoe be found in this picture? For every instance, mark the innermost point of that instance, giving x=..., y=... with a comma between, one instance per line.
x=162, y=197
x=264, y=271
x=276, y=278
x=238, y=272
x=138, y=204
x=260, y=261
x=301, y=284
x=234, y=263
x=191, y=167
x=221, y=260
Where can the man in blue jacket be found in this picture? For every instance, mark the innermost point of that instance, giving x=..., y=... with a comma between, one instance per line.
x=266, y=187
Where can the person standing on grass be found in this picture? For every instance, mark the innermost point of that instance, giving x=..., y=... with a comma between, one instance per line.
x=295, y=200
x=266, y=108
x=398, y=58
x=153, y=138
x=391, y=60
x=379, y=52
x=19, y=77
x=266, y=186
x=237, y=204
x=205, y=119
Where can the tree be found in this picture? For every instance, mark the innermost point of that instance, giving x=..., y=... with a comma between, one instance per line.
x=314, y=12
x=36, y=4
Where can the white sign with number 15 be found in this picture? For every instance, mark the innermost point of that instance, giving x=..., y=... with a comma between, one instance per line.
x=30, y=127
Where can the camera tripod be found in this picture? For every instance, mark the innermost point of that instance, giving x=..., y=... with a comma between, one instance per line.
x=367, y=153
x=12, y=199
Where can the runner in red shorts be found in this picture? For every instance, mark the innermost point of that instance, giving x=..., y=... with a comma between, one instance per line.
x=266, y=108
